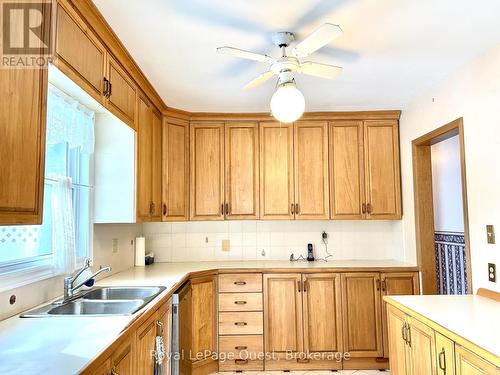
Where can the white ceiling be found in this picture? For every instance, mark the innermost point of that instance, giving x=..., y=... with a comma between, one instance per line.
x=392, y=51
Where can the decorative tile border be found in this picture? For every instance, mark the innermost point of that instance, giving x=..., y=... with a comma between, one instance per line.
x=450, y=262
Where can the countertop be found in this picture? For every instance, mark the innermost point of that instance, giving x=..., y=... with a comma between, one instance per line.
x=473, y=318
x=58, y=345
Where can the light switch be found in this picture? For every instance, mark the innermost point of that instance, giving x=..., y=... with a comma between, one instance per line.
x=226, y=245
x=490, y=233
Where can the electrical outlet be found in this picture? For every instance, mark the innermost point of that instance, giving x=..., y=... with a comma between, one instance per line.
x=492, y=272
x=226, y=246
x=115, y=245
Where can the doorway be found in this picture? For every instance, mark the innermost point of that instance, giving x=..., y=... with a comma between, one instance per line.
x=441, y=219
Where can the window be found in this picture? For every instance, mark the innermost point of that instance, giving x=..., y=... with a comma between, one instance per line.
x=68, y=153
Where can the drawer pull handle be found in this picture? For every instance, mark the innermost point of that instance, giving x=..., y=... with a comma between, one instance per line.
x=240, y=323
x=442, y=360
x=242, y=347
x=303, y=360
x=241, y=361
x=240, y=302
x=240, y=283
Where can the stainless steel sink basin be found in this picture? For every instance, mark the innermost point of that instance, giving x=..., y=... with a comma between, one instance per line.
x=92, y=307
x=121, y=293
x=101, y=301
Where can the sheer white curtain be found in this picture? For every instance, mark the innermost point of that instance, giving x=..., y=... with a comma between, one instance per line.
x=70, y=123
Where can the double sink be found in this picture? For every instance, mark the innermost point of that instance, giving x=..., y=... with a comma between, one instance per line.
x=101, y=301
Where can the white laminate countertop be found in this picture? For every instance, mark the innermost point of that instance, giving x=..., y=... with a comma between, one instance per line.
x=474, y=318
x=65, y=345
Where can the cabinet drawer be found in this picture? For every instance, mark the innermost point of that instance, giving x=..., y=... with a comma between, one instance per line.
x=240, y=302
x=241, y=365
x=240, y=282
x=238, y=345
x=240, y=323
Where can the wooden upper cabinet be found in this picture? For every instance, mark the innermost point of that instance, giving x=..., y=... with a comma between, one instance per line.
x=382, y=173
x=276, y=171
x=311, y=170
x=322, y=313
x=361, y=314
x=156, y=166
x=396, y=284
x=22, y=144
x=175, y=170
x=346, y=170
x=79, y=53
x=144, y=159
x=149, y=162
x=282, y=313
x=121, y=93
x=242, y=170
x=207, y=171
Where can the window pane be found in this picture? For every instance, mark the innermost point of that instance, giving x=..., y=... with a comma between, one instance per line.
x=81, y=199
x=21, y=243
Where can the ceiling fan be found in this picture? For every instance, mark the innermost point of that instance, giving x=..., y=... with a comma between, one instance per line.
x=287, y=103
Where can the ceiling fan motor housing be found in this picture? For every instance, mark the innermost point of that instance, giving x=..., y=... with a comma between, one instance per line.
x=282, y=38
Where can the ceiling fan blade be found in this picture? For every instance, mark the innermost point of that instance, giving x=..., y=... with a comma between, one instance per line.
x=259, y=80
x=236, y=52
x=321, y=37
x=320, y=70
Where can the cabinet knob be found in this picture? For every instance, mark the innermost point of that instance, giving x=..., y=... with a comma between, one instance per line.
x=369, y=208
x=363, y=208
x=442, y=360
x=292, y=211
x=164, y=209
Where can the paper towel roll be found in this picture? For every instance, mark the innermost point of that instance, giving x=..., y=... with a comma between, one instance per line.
x=140, y=251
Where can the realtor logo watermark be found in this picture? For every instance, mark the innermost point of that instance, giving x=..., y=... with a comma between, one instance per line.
x=25, y=39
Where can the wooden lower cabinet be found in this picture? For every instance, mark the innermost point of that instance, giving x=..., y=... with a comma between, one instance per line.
x=362, y=320
x=123, y=359
x=198, y=326
x=417, y=349
x=468, y=363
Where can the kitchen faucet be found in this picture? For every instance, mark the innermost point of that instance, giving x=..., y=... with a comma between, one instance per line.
x=69, y=288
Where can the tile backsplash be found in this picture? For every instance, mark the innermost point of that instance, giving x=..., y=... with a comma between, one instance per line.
x=272, y=240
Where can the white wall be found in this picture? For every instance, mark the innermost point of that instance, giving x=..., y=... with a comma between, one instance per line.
x=202, y=241
x=447, y=186
x=474, y=94
x=37, y=293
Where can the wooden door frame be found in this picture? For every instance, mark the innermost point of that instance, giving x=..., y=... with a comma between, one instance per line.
x=423, y=200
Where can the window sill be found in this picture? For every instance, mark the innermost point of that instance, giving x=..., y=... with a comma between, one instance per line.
x=25, y=276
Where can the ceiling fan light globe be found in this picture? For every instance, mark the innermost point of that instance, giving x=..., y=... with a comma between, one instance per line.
x=287, y=103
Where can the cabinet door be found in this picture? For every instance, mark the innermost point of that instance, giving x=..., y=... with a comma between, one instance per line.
x=322, y=312
x=207, y=171
x=156, y=172
x=204, y=326
x=396, y=321
x=396, y=284
x=347, y=190
x=79, y=53
x=468, y=363
x=361, y=314
x=422, y=348
x=144, y=160
x=382, y=174
x=242, y=171
x=123, y=359
x=282, y=314
x=22, y=144
x=445, y=353
x=311, y=170
x=122, y=93
x=276, y=171
x=145, y=345
x=175, y=166
x=165, y=330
